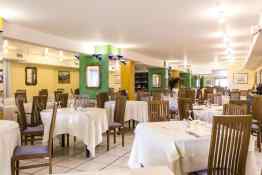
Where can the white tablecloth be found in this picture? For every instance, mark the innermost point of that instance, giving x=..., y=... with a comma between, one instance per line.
x=170, y=144
x=87, y=124
x=9, y=139
x=204, y=113
x=136, y=110
x=139, y=171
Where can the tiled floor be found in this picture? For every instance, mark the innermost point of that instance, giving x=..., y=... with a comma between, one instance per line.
x=73, y=159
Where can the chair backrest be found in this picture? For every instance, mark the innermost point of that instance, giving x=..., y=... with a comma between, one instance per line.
x=120, y=107
x=185, y=105
x=243, y=93
x=101, y=98
x=217, y=99
x=21, y=115
x=77, y=91
x=43, y=92
x=20, y=95
x=234, y=95
x=257, y=108
x=156, y=95
x=39, y=104
x=63, y=98
x=229, y=145
x=51, y=130
x=158, y=110
x=233, y=109
x=57, y=93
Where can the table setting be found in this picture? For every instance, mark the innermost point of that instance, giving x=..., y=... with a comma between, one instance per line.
x=178, y=145
x=207, y=112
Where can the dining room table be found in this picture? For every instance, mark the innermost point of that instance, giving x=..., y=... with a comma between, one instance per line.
x=86, y=124
x=207, y=112
x=135, y=110
x=183, y=146
x=9, y=139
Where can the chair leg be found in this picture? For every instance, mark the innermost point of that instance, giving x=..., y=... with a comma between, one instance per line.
x=50, y=165
x=134, y=124
x=26, y=137
x=114, y=136
x=259, y=141
x=68, y=139
x=32, y=139
x=17, y=167
x=123, y=136
x=63, y=140
x=108, y=139
x=74, y=139
x=12, y=166
x=129, y=124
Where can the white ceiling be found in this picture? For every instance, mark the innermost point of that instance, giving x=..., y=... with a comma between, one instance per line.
x=162, y=29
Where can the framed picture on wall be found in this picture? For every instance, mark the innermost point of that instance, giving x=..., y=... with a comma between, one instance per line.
x=1, y=76
x=240, y=78
x=156, y=80
x=64, y=77
x=30, y=76
x=93, y=76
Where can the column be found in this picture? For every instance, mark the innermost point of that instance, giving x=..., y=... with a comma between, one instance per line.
x=128, y=78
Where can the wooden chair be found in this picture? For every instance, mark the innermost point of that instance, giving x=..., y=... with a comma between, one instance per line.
x=119, y=120
x=244, y=103
x=233, y=109
x=77, y=91
x=35, y=152
x=156, y=95
x=229, y=145
x=57, y=93
x=27, y=131
x=234, y=95
x=39, y=104
x=43, y=92
x=158, y=110
x=243, y=93
x=101, y=98
x=62, y=99
x=257, y=122
x=185, y=108
x=20, y=95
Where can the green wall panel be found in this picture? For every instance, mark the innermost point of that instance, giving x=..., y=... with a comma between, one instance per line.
x=86, y=60
x=160, y=71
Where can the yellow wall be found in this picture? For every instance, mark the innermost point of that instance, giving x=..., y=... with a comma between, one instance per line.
x=47, y=78
x=175, y=73
x=236, y=69
x=128, y=78
x=1, y=23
